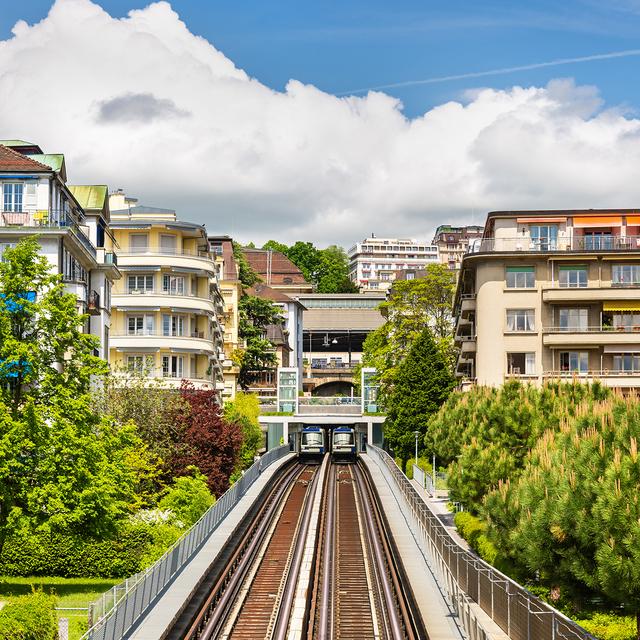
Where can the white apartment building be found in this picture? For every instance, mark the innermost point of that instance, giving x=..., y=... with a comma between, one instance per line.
x=374, y=261
x=168, y=306
x=71, y=223
x=552, y=295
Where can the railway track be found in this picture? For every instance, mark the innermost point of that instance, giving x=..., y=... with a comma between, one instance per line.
x=350, y=577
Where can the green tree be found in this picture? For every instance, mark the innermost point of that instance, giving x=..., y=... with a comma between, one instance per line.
x=247, y=276
x=188, y=497
x=62, y=466
x=274, y=245
x=305, y=256
x=422, y=384
x=244, y=410
x=333, y=271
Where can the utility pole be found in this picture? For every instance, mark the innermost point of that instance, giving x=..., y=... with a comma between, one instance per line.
x=416, y=433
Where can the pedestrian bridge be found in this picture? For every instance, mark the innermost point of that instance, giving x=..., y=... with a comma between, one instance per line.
x=299, y=550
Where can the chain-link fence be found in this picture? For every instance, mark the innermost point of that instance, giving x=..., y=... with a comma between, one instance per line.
x=467, y=579
x=123, y=605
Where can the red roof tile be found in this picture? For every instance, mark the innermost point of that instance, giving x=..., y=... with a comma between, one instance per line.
x=11, y=160
x=283, y=271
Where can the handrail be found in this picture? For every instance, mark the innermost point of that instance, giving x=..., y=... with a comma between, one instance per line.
x=467, y=578
x=147, y=585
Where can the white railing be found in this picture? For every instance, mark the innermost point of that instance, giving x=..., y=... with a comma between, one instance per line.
x=126, y=603
x=468, y=581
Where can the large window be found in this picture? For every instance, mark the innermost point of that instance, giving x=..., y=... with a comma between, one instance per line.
x=172, y=366
x=139, y=363
x=140, y=283
x=625, y=275
x=573, y=276
x=138, y=242
x=72, y=270
x=174, y=325
x=521, y=277
x=544, y=237
x=168, y=244
x=598, y=240
x=574, y=319
x=626, y=362
x=521, y=363
x=520, y=320
x=574, y=361
x=173, y=285
x=12, y=192
x=140, y=325
x=628, y=320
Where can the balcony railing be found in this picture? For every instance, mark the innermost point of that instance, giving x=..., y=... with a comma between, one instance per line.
x=549, y=245
x=592, y=373
x=47, y=219
x=164, y=251
x=593, y=329
x=158, y=333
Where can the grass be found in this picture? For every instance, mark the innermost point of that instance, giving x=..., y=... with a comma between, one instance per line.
x=71, y=592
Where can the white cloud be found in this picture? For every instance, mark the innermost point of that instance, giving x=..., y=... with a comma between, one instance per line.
x=142, y=103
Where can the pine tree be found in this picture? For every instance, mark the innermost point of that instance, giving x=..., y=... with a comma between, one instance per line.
x=422, y=384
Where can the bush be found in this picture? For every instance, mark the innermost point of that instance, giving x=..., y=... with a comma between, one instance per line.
x=469, y=527
x=70, y=556
x=188, y=498
x=29, y=617
x=609, y=626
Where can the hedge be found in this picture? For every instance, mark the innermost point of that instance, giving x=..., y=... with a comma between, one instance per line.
x=70, y=556
x=29, y=617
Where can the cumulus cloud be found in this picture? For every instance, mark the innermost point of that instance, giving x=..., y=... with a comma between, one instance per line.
x=142, y=103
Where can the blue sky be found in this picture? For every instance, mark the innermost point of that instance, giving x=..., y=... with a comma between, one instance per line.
x=341, y=45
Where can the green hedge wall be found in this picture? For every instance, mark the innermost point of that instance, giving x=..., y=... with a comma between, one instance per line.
x=29, y=617
x=70, y=556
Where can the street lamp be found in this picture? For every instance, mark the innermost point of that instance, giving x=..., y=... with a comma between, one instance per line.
x=416, y=433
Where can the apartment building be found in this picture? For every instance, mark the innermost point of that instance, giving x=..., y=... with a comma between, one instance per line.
x=221, y=248
x=552, y=295
x=71, y=223
x=453, y=243
x=373, y=263
x=167, y=306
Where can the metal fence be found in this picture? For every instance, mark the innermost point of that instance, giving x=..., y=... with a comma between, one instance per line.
x=466, y=579
x=123, y=605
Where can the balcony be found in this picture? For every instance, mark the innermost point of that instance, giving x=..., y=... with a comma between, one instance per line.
x=161, y=300
x=609, y=378
x=106, y=257
x=468, y=345
x=525, y=244
x=195, y=343
x=198, y=378
x=46, y=220
x=467, y=303
x=590, y=336
x=162, y=256
x=591, y=294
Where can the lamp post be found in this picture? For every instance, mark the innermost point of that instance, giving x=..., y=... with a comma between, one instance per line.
x=416, y=433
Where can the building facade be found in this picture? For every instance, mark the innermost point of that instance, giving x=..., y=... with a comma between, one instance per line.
x=72, y=229
x=167, y=308
x=374, y=261
x=552, y=295
x=453, y=243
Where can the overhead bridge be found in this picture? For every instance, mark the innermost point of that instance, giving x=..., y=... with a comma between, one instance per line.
x=303, y=549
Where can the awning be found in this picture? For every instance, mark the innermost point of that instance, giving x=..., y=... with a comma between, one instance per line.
x=622, y=348
x=541, y=220
x=597, y=221
x=628, y=305
x=633, y=220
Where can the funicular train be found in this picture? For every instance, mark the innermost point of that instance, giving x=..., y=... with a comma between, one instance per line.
x=340, y=442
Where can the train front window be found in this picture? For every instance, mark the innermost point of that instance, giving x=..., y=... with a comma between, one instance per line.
x=313, y=439
x=343, y=438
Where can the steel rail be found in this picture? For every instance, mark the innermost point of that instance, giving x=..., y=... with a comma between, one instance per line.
x=220, y=600
x=326, y=618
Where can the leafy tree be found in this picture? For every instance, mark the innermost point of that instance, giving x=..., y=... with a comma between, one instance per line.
x=188, y=498
x=422, y=384
x=274, y=245
x=210, y=443
x=247, y=276
x=333, y=272
x=244, y=410
x=62, y=466
x=305, y=256
x=256, y=314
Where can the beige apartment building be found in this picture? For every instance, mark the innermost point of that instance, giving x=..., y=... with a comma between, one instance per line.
x=551, y=295
x=166, y=308
x=453, y=243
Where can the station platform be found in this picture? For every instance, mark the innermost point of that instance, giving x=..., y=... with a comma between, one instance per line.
x=160, y=618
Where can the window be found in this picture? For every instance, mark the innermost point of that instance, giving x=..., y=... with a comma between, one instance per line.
x=625, y=275
x=521, y=363
x=626, y=320
x=139, y=363
x=544, y=237
x=140, y=325
x=411, y=275
x=520, y=320
x=626, y=362
x=141, y=283
x=173, y=285
x=573, y=276
x=574, y=319
x=172, y=366
x=168, y=244
x=521, y=277
x=138, y=242
x=173, y=325
x=72, y=270
x=574, y=361
x=12, y=192
x=598, y=240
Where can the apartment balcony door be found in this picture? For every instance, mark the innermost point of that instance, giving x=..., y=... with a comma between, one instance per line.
x=172, y=366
